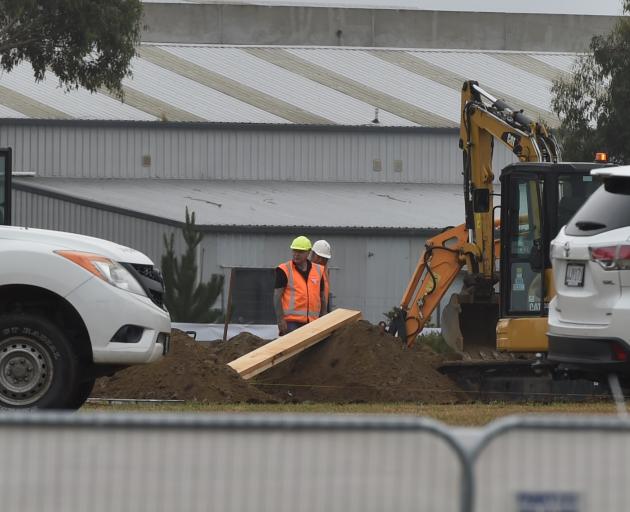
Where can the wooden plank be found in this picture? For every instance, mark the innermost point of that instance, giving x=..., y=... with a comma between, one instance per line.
x=287, y=346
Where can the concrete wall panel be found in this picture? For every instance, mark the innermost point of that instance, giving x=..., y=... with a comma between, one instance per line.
x=327, y=26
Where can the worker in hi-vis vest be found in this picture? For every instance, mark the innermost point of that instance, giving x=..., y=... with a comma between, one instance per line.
x=299, y=295
x=321, y=254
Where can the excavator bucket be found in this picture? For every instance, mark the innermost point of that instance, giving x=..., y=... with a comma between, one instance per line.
x=470, y=328
x=451, y=330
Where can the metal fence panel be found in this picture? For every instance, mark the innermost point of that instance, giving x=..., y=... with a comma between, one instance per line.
x=568, y=464
x=228, y=463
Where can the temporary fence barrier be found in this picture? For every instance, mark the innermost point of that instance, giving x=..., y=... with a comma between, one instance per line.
x=310, y=463
x=553, y=464
x=229, y=463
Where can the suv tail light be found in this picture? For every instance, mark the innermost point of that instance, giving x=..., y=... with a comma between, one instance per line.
x=619, y=354
x=611, y=257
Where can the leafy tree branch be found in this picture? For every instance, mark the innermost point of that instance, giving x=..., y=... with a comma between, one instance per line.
x=85, y=43
x=593, y=104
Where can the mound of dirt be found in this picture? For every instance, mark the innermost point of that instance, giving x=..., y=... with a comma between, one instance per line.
x=357, y=363
x=239, y=345
x=189, y=372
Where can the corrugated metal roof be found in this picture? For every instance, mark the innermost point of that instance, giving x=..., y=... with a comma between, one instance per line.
x=494, y=73
x=562, y=61
x=282, y=85
x=297, y=90
x=75, y=104
x=9, y=112
x=270, y=203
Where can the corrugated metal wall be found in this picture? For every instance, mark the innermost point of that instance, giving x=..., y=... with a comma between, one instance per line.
x=367, y=273
x=100, y=151
x=37, y=211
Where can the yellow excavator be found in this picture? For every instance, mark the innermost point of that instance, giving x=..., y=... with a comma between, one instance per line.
x=497, y=322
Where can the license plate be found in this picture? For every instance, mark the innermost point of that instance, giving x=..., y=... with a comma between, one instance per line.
x=574, y=275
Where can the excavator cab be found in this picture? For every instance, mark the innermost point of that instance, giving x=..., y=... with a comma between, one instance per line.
x=506, y=313
x=538, y=199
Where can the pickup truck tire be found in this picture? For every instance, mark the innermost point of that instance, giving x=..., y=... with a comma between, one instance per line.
x=81, y=393
x=38, y=366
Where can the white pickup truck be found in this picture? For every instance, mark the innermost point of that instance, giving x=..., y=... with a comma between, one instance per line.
x=73, y=308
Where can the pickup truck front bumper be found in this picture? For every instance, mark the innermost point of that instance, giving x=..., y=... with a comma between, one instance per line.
x=105, y=308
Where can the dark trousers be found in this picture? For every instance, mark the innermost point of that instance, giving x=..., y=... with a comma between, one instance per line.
x=292, y=326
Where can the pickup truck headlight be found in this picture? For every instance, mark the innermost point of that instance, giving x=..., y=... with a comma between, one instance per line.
x=108, y=270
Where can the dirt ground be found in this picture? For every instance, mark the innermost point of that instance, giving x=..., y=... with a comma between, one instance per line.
x=357, y=364
x=189, y=372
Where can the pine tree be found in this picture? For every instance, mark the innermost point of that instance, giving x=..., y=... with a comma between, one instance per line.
x=187, y=300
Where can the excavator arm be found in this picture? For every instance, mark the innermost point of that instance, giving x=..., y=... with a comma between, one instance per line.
x=444, y=256
x=471, y=245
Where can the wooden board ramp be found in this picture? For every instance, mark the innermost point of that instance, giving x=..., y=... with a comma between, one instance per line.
x=287, y=346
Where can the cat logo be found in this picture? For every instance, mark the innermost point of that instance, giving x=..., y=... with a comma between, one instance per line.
x=510, y=139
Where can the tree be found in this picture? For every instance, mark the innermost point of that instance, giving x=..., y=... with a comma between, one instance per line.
x=85, y=43
x=187, y=300
x=594, y=103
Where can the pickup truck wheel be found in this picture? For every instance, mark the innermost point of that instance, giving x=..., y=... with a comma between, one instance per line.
x=38, y=367
x=81, y=393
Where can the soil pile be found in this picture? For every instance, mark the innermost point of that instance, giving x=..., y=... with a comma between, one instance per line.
x=239, y=345
x=360, y=364
x=189, y=372
x=357, y=363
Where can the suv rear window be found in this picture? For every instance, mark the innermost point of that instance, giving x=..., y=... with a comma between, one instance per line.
x=607, y=209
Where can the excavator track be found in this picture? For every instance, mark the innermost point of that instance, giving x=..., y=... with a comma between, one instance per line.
x=517, y=380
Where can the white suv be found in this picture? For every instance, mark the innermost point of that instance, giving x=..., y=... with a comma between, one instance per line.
x=589, y=318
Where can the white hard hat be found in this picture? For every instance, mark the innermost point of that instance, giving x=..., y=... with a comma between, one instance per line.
x=322, y=248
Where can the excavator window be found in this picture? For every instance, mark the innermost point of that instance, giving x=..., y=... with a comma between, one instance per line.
x=573, y=191
x=5, y=186
x=2, y=193
x=525, y=266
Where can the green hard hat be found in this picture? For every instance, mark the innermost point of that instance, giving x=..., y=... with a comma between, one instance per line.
x=301, y=243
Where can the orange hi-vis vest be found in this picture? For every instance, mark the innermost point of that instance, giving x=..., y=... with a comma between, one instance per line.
x=301, y=300
x=326, y=285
